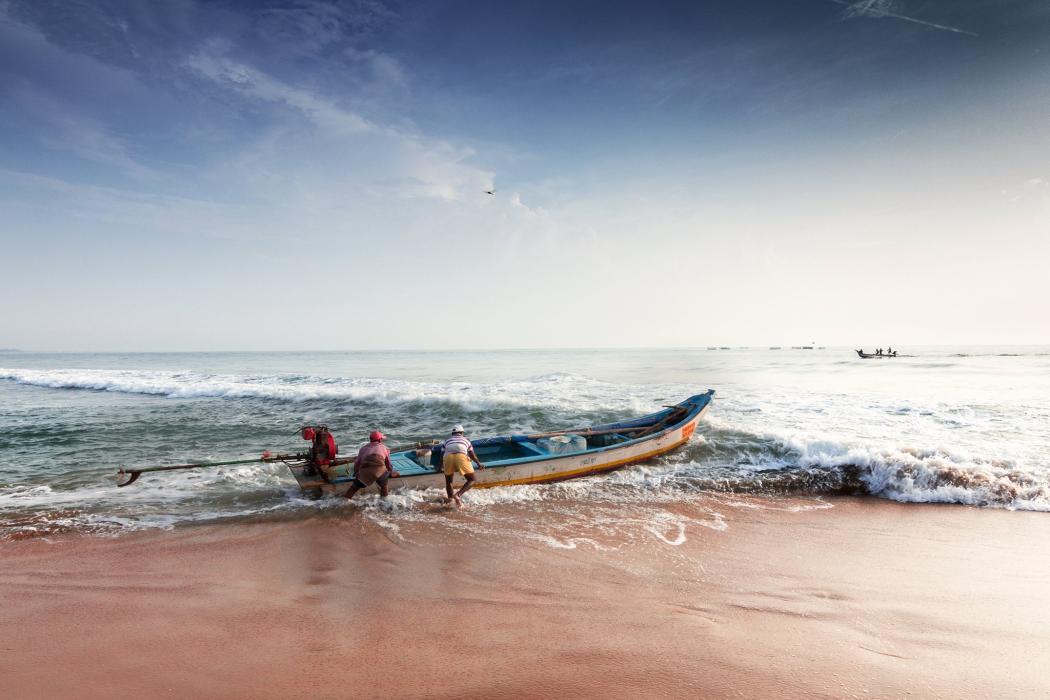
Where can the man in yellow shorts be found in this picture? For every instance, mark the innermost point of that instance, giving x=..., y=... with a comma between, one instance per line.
x=458, y=454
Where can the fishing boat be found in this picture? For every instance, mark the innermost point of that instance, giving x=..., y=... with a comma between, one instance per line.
x=510, y=460
x=873, y=356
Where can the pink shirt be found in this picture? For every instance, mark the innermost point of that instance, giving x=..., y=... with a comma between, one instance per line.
x=373, y=448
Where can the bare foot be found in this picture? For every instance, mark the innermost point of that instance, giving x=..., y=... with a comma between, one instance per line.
x=459, y=502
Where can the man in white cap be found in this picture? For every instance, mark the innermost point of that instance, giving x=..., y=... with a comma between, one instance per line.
x=458, y=454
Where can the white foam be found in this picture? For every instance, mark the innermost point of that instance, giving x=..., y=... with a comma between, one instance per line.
x=912, y=448
x=901, y=473
x=559, y=389
x=661, y=533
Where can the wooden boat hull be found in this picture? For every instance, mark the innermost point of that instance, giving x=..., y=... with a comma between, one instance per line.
x=542, y=468
x=872, y=356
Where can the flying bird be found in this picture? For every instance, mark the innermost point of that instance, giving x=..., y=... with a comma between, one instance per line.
x=492, y=191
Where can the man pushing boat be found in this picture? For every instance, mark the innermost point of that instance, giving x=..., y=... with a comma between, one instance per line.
x=372, y=466
x=458, y=453
x=322, y=450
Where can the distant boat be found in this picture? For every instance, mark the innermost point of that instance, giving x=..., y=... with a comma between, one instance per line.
x=712, y=347
x=873, y=356
x=807, y=347
x=774, y=347
x=725, y=347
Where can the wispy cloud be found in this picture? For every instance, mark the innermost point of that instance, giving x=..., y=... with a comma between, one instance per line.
x=410, y=162
x=84, y=137
x=313, y=26
x=254, y=83
x=878, y=9
x=59, y=122
x=94, y=144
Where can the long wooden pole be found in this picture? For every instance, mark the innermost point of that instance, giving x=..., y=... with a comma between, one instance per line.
x=587, y=432
x=133, y=474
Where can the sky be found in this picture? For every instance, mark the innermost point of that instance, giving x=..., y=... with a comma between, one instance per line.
x=189, y=175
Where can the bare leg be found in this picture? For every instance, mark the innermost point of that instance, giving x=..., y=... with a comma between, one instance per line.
x=354, y=488
x=465, y=488
x=384, y=488
x=448, y=487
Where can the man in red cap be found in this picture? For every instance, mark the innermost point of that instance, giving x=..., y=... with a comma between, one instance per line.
x=322, y=450
x=372, y=465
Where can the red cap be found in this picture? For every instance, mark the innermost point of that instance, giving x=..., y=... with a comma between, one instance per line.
x=376, y=436
x=309, y=434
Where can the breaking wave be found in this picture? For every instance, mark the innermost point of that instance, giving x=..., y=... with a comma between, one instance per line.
x=60, y=449
x=720, y=460
x=739, y=461
x=557, y=389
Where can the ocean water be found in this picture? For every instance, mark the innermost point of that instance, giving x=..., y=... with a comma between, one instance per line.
x=959, y=425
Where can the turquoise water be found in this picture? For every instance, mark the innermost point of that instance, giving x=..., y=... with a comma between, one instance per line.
x=955, y=425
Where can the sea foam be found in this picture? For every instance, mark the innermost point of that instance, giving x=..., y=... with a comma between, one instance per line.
x=984, y=446
x=552, y=389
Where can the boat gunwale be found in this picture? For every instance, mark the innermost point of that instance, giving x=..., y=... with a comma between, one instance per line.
x=695, y=409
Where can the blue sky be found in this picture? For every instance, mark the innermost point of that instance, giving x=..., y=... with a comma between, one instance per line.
x=190, y=175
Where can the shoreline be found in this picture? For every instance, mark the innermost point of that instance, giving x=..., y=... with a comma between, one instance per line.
x=866, y=597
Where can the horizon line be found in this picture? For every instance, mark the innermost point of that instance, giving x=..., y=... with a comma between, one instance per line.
x=507, y=349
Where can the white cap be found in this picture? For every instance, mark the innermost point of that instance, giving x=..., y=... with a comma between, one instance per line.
x=457, y=429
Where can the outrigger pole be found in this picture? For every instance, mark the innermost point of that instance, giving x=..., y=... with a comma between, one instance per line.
x=134, y=474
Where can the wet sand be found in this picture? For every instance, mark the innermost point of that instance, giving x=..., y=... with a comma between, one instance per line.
x=867, y=598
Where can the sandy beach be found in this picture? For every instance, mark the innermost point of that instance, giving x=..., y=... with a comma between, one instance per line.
x=865, y=598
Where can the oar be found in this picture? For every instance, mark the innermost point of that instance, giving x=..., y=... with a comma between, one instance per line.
x=670, y=418
x=587, y=432
x=134, y=474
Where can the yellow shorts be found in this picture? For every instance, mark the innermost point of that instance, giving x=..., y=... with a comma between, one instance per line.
x=452, y=463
